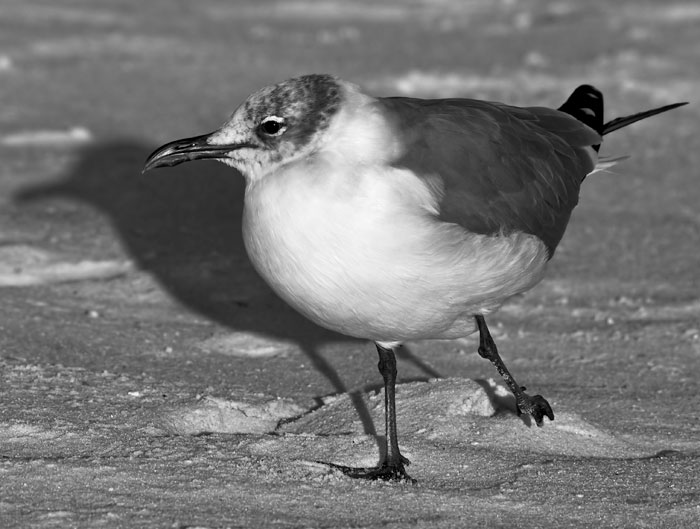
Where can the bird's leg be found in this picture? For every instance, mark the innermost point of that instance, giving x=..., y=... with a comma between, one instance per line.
x=392, y=467
x=387, y=367
x=536, y=406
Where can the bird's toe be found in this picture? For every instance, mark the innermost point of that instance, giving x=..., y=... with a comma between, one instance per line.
x=536, y=406
x=384, y=472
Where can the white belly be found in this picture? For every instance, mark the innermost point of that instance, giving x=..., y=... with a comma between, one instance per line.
x=362, y=254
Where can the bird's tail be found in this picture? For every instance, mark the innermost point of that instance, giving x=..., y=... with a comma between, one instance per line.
x=586, y=105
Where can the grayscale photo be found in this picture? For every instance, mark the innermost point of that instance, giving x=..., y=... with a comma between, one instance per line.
x=349, y=264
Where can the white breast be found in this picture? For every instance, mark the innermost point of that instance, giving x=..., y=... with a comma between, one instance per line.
x=358, y=249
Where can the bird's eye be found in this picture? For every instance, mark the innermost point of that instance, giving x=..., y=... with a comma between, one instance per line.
x=273, y=126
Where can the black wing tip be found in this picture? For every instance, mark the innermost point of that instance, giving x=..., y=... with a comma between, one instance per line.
x=624, y=121
x=585, y=89
x=672, y=106
x=586, y=104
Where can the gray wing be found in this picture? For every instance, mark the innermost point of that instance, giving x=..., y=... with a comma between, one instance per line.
x=503, y=168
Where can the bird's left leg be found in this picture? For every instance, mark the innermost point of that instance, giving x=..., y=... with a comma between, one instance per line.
x=536, y=406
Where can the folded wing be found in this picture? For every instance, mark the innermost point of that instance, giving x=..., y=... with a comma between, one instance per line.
x=503, y=169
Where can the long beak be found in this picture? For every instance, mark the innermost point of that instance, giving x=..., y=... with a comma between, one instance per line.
x=196, y=148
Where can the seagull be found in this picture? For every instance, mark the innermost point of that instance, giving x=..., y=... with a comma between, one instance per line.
x=394, y=218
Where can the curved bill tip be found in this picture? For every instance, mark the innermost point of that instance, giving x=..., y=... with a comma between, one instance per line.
x=177, y=152
x=185, y=150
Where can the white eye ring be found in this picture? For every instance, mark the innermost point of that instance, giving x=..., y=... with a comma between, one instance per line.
x=273, y=126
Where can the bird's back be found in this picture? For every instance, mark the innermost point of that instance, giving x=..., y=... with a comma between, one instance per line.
x=502, y=169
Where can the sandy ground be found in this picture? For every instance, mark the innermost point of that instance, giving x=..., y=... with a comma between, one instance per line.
x=148, y=378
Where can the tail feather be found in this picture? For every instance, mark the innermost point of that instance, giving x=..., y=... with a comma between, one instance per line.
x=606, y=162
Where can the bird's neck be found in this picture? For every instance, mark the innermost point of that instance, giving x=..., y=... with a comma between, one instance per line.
x=360, y=132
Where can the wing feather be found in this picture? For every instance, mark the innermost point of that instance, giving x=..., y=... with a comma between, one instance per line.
x=503, y=169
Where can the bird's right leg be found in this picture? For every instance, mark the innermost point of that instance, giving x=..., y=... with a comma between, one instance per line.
x=392, y=468
x=536, y=406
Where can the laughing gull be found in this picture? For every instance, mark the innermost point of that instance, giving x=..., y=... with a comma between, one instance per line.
x=396, y=219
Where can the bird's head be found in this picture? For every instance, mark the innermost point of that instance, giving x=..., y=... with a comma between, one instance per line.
x=274, y=126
